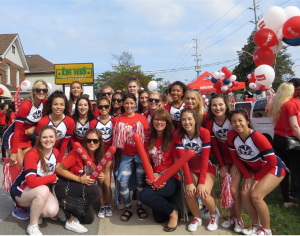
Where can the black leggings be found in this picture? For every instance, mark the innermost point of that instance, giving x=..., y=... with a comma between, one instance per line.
x=75, y=190
x=292, y=160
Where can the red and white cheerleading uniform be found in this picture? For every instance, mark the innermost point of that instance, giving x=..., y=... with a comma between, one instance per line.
x=106, y=131
x=32, y=174
x=175, y=113
x=255, y=155
x=28, y=116
x=112, y=116
x=200, y=163
x=218, y=135
x=124, y=128
x=64, y=132
x=79, y=132
x=148, y=117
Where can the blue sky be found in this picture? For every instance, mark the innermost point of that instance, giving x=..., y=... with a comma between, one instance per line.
x=159, y=34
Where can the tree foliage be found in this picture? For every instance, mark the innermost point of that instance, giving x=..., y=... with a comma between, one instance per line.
x=283, y=67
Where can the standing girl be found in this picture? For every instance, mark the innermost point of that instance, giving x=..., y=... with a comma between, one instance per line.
x=133, y=87
x=76, y=91
x=143, y=102
x=116, y=104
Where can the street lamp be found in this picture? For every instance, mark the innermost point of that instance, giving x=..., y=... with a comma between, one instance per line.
x=242, y=51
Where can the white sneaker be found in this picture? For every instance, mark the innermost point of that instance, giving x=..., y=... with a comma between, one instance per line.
x=251, y=230
x=204, y=213
x=214, y=222
x=239, y=225
x=263, y=231
x=108, y=211
x=101, y=213
x=228, y=223
x=75, y=226
x=33, y=230
x=196, y=222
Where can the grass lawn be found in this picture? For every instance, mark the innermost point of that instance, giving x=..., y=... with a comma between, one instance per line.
x=283, y=221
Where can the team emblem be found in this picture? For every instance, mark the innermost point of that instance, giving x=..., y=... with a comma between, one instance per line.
x=222, y=133
x=37, y=114
x=245, y=150
x=193, y=146
x=50, y=167
x=82, y=130
x=105, y=131
x=59, y=134
x=177, y=115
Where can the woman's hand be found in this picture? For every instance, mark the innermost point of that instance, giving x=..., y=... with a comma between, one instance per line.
x=101, y=177
x=223, y=171
x=190, y=190
x=30, y=130
x=201, y=191
x=234, y=170
x=12, y=159
x=254, y=184
x=161, y=186
x=55, y=181
x=248, y=183
x=86, y=180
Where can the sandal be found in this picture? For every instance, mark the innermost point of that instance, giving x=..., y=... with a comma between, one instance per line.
x=127, y=216
x=140, y=211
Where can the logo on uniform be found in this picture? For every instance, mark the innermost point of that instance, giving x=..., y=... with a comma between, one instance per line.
x=193, y=146
x=50, y=167
x=37, y=114
x=59, y=134
x=105, y=131
x=222, y=133
x=177, y=115
x=245, y=150
x=82, y=130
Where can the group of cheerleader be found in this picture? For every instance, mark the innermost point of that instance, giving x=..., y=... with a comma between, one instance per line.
x=168, y=128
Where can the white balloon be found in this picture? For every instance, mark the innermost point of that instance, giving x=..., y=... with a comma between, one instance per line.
x=216, y=75
x=233, y=78
x=152, y=85
x=224, y=88
x=264, y=75
x=277, y=47
x=279, y=34
x=291, y=11
x=206, y=100
x=270, y=86
x=249, y=76
x=49, y=86
x=261, y=23
x=252, y=85
x=274, y=18
x=229, y=85
x=25, y=85
x=222, y=76
x=204, y=96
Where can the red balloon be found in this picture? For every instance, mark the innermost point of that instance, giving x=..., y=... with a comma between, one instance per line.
x=218, y=84
x=224, y=69
x=253, y=75
x=1, y=91
x=235, y=84
x=228, y=74
x=263, y=56
x=252, y=80
x=265, y=38
x=229, y=90
x=262, y=88
x=291, y=28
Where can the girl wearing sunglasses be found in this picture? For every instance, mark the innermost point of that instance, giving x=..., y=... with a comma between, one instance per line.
x=125, y=126
x=143, y=102
x=82, y=118
x=218, y=124
x=253, y=154
x=107, y=92
x=116, y=104
x=104, y=124
x=154, y=103
x=200, y=173
x=177, y=90
x=72, y=175
x=56, y=114
x=76, y=91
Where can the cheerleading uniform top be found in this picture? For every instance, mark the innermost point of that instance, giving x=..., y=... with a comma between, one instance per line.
x=218, y=135
x=79, y=132
x=254, y=155
x=64, y=132
x=175, y=113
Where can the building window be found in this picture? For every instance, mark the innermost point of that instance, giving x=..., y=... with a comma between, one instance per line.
x=13, y=49
x=7, y=74
x=17, y=78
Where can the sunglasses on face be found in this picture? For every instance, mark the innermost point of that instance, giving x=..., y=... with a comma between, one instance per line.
x=119, y=100
x=104, y=94
x=154, y=99
x=41, y=90
x=100, y=107
x=95, y=141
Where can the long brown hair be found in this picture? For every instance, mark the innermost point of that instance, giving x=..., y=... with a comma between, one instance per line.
x=56, y=94
x=168, y=131
x=182, y=131
x=210, y=114
x=90, y=115
x=99, y=153
x=39, y=147
x=71, y=100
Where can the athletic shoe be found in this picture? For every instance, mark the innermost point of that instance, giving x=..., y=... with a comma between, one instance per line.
x=33, y=230
x=120, y=206
x=251, y=230
x=108, y=211
x=214, y=222
x=75, y=226
x=204, y=213
x=228, y=223
x=101, y=213
x=263, y=231
x=20, y=213
x=239, y=225
x=196, y=222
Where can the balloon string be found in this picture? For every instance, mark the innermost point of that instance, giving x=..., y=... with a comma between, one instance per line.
x=276, y=56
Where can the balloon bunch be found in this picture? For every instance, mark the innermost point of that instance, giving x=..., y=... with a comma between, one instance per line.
x=224, y=81
x=205, y=100
x=261, y=78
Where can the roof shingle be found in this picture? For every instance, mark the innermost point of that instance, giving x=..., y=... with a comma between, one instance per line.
x=37, y=63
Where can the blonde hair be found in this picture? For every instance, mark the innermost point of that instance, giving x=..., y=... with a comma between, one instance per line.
x=107, y=87
x=158, y=94
x=200, y=109
x=284, y=93
x=37, y=84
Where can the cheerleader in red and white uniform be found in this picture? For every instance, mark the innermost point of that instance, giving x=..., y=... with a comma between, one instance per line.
x=177, y=90
x=154, y=103
x=17, y=136
x=104, y=124
x=218, y=124
x=253, y=154
x=116, y=105
x=82, y=118
x=56, y=114
x=30, y=188
x=200, y=173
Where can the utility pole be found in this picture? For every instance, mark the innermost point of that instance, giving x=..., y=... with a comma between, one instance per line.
x=198, y=67
x=255, y=15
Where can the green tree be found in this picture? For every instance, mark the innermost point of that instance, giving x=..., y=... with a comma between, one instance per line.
x=283, y=68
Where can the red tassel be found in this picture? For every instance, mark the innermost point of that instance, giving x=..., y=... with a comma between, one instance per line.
x=226, y=194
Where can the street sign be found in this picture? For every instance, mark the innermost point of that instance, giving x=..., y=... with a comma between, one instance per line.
x=67, y=73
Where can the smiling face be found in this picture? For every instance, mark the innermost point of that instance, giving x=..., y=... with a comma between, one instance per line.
x=129, y=105
x=239, y=123
x=103, y=110
x=144, y=99
x=159, y=123
x=83, y=106
x=133, y=87
x=190, y=100
x=40, y=95
x=155, y=102
x=76, y=90
x=117, y=101
x=107, y=93
x=58, y=106
x=92, y=146
x=218, y=106
x=176, y=92
x=48, y=138
x=188, y=122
